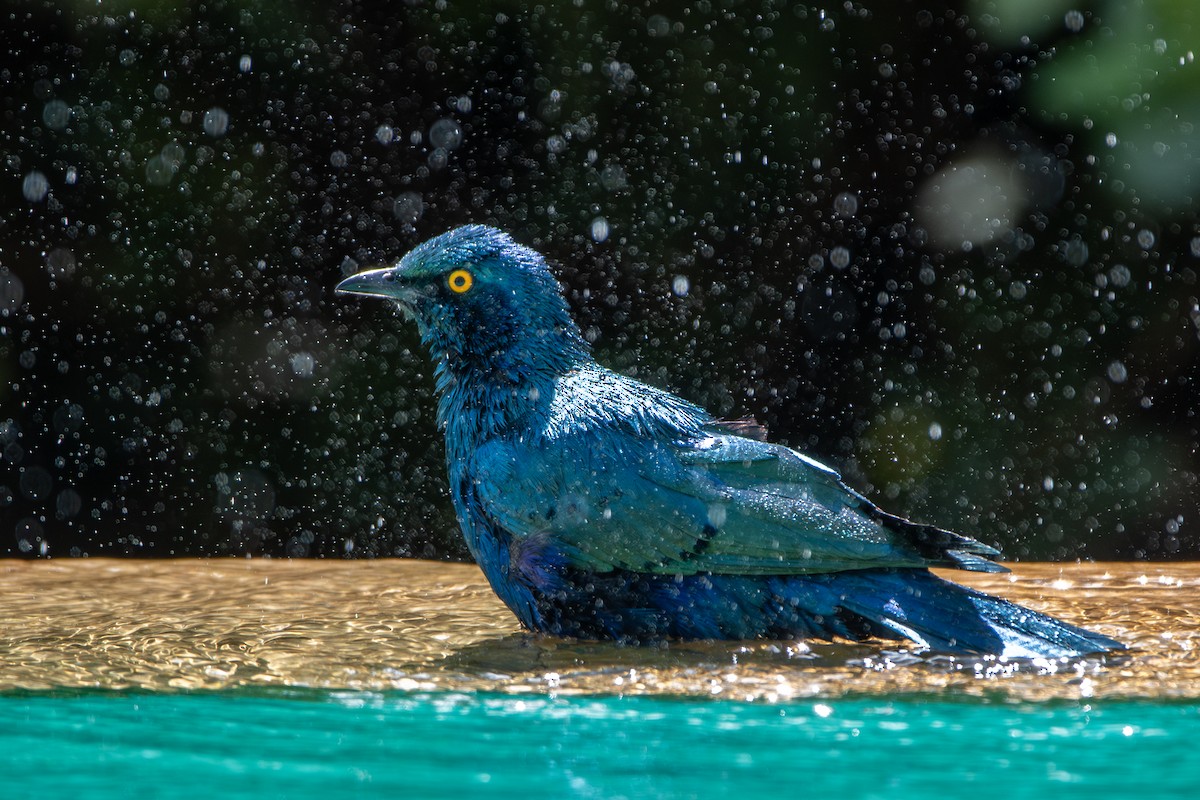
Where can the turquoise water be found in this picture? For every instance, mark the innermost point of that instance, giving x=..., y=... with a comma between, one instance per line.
x=357, y=744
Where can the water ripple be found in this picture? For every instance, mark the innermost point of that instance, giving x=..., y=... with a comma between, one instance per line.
x=430, y=626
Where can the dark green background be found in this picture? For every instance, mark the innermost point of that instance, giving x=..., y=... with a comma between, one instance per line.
x=184, y=184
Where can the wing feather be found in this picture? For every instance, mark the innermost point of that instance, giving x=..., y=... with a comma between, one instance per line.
x=723, y=504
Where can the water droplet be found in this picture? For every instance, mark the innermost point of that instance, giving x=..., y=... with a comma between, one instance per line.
x=216, y=121
x=445, y=133
x=839, y=257
x=68, y=503
x=599, y=229
x=244, y=64
x=385, y=134
x=1110, y=139
x=845, y=204
x=36, y=483
x=60, y=263
x=1119, y=275
x=162, y=93
x=1146, y=239
x=408, y=207
x=174, y=153
x=35, y=187
x=556, y=144
x=935, y=431
x=303, y=364
x=338, y=159
x=438, y=158
x=56, y=114
x=126, y=57
x=1195, y=246
x=1117, y=373
x=658, y=25
x=612, y=177
x=680, y=286
x=160, y=171
x=1074, y=21
x=1017, y=290
x=1076, y=252
x=970, y=202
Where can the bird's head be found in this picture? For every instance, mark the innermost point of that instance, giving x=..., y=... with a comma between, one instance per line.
x=480, y=299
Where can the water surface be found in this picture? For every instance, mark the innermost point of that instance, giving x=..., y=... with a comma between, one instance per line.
x=320, y=679
x=430, y=626
x=324, y=745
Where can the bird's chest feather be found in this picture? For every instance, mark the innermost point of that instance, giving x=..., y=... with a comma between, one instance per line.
x=515, y=555
x=490, y=545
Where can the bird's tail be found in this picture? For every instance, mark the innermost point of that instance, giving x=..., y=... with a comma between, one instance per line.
x=916, y=604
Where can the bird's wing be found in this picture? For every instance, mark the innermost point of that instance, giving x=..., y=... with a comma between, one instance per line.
x=722, y=504
x=765, y=477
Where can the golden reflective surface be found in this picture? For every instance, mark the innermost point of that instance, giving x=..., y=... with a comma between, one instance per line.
x=405, y=624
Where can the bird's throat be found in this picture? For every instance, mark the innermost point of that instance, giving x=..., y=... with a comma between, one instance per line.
x=489, y=383
x=477, y=401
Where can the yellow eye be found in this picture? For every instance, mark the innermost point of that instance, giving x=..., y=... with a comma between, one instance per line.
x=460, y=281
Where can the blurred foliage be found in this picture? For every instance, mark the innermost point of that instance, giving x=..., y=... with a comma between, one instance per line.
x=952, y=249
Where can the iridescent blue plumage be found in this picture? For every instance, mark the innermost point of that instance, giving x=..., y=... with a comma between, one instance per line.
x=603, y=508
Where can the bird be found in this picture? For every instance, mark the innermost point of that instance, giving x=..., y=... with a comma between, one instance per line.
x=602, y=508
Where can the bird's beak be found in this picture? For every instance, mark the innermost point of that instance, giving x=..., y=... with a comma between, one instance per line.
x=375, y=282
